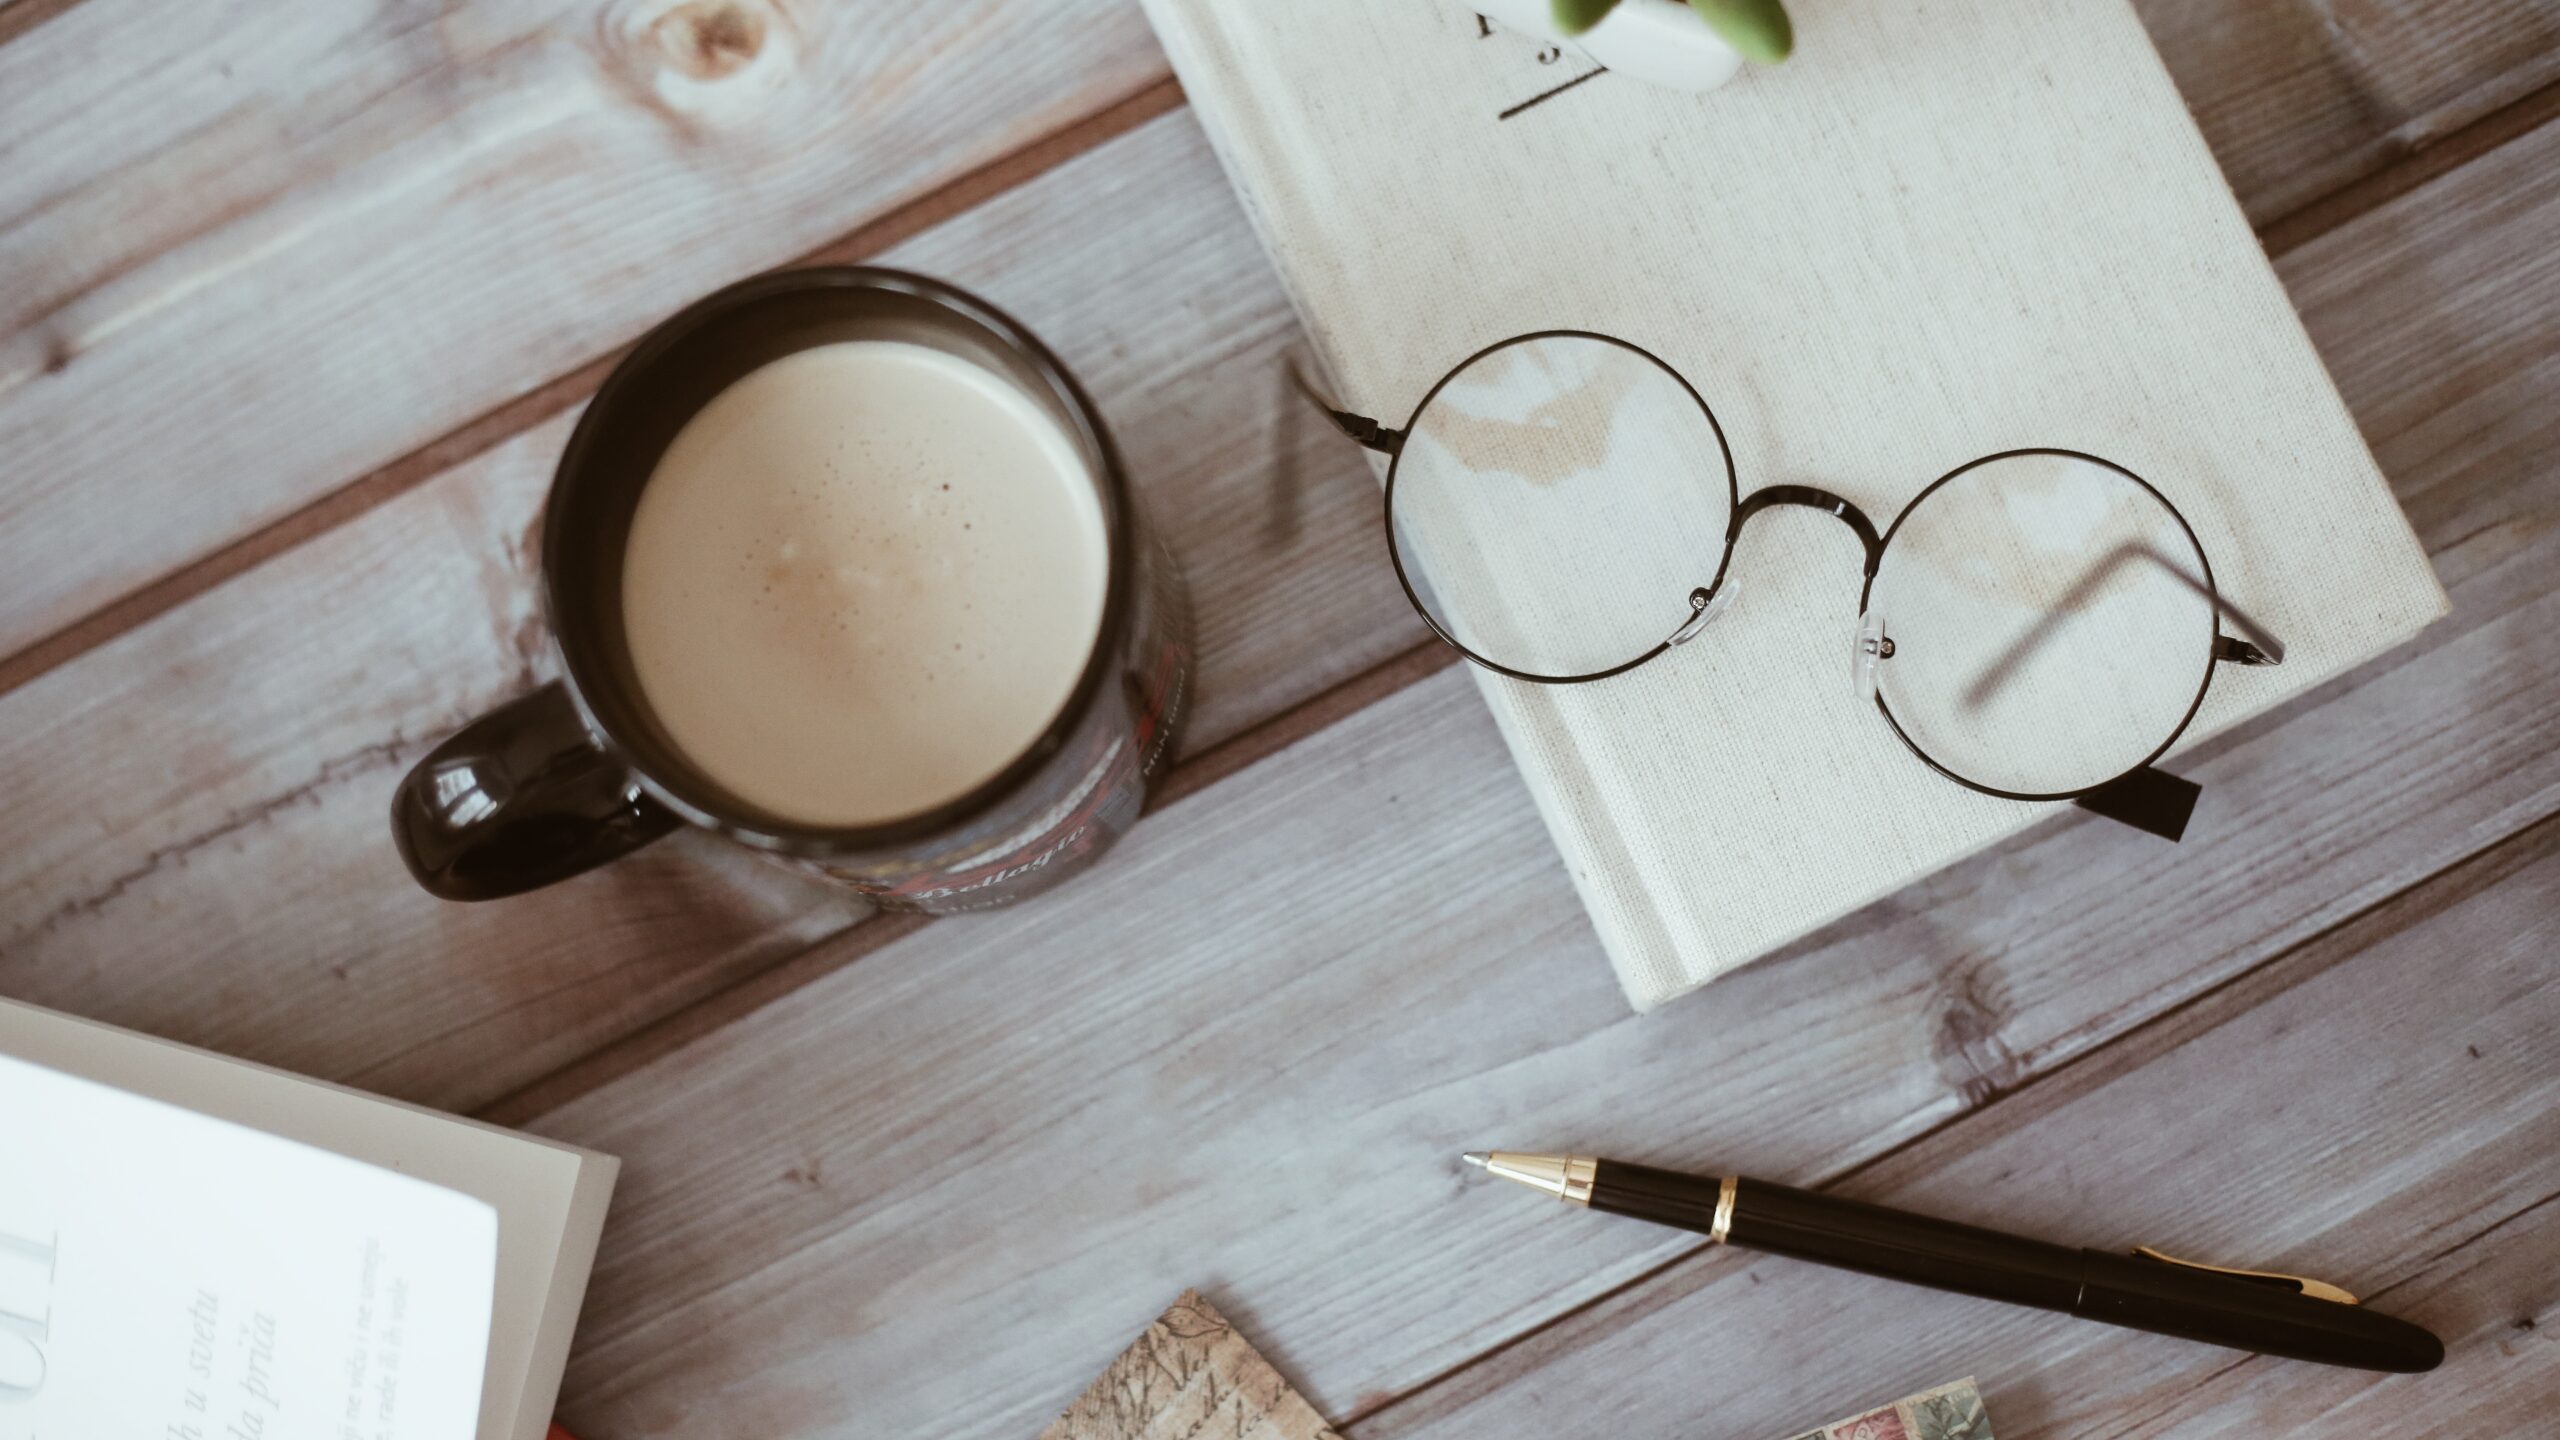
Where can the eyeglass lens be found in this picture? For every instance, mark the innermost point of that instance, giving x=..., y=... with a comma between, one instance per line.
x=2049, y=623
x=1555, y=503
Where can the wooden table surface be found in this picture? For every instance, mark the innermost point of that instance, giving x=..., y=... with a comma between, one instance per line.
x=296, y=310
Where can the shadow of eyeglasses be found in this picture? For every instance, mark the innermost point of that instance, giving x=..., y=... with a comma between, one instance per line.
x=2257, y=645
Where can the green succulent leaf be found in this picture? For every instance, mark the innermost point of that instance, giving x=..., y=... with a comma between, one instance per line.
x=1575, y=16
x=1756, y=29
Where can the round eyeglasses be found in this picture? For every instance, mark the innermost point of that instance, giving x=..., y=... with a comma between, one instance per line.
x=2037, y=624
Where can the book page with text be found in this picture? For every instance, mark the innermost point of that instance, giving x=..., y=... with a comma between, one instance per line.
x=168, y=1275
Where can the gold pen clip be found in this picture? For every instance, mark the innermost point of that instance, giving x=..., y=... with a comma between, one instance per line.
x=2316, y=1289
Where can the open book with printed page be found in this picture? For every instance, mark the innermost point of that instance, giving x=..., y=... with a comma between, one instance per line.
x=194, y=1247
x=1936, y=233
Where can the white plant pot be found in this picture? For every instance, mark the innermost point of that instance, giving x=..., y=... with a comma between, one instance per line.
x=1661, y=42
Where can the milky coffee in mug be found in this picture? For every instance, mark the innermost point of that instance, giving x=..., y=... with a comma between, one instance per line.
x=842, y=565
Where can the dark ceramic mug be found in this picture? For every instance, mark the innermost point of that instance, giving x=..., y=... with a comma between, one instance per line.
x=579, y=772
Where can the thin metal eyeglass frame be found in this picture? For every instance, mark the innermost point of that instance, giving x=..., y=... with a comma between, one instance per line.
x=2260, y=648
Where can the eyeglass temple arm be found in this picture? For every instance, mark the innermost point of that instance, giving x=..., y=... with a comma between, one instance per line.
x=2149, y=799
x=1359, y=427
x=2259, y=647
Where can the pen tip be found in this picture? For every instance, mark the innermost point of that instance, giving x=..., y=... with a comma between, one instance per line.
x=1477, y=1158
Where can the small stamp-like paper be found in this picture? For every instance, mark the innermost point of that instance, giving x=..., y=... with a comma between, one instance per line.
x=1188, y=1376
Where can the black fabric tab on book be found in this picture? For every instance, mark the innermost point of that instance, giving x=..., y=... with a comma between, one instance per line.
x=2147, y=799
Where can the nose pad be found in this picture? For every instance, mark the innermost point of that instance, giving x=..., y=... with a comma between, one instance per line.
x=1703, y=607
x=1874, y=647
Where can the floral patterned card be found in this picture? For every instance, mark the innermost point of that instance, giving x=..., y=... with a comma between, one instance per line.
x=1950, y=1412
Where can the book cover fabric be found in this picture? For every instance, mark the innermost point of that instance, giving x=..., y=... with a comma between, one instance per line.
x=167, y=1274
x=1936, y=233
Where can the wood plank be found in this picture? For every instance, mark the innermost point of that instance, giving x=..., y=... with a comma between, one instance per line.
x=2388, y=1120
x=17, y=17
x=1583, y=964
x=246, y=263
x=234, y=886
x=2299, y=98
x=213, y=892
x=562, y=393
x=2489, y=1299
x=258, y=998
x=984, y=1138
x=524, y=184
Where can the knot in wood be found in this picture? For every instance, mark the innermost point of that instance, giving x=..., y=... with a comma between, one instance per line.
x=711, y=39
x=709, y=66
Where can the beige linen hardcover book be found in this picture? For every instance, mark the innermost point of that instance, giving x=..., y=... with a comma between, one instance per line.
x=193, y=1246
x=1939, y=231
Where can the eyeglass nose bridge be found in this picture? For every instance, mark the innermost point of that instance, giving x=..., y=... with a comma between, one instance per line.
x=1716, y=596
x=1813, y=498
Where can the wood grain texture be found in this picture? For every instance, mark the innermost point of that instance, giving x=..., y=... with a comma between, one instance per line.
x=245, y=263
x=561, y=393
x=2384, y=1114
x=934, y=1178
x=17, y=17
x=378, y=230
x=213, y=889
x=2490, y=1299
x=2380, y=187
x=1355, y=951
x=2301, y=97
x=234, y=886
x=941, y=1171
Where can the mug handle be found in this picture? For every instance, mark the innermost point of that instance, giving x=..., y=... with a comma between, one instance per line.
x=518, y=799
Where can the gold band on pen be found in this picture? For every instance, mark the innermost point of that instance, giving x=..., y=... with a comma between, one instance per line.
x=1579, y=1172
x=1724, y=1209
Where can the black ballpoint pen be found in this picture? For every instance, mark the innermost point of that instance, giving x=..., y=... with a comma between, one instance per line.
x=2145, y=1290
